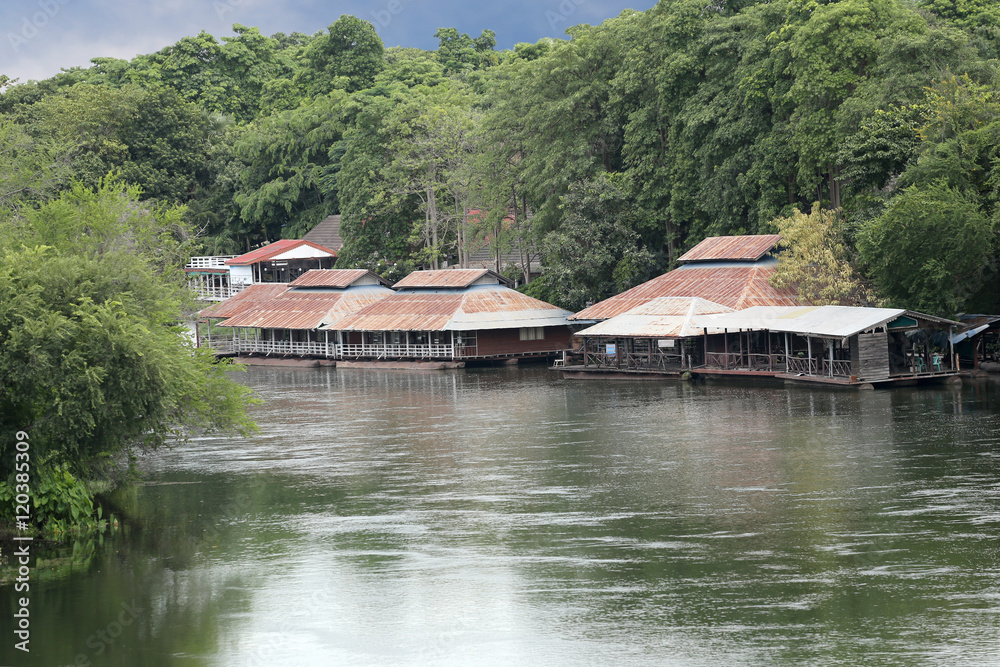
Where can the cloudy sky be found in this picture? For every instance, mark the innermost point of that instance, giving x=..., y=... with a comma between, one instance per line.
x=38, y=37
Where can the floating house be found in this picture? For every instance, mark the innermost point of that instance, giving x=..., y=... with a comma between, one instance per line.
x=221, y=340
x=830, y=344
x=297, y=320
x=455, y=315
x=732, y=271
x=218, y=277
x=978, y=342
x=834, y=344
x=658, y=336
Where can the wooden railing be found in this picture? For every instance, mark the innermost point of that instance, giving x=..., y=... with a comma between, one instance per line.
x=806, y=365
x=732, y=361
x=840, y=368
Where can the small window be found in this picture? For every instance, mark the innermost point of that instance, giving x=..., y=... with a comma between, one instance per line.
x=532, y=333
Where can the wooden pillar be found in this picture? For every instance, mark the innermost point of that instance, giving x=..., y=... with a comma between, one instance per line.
x=951, y=347
x=788, y=351
x=725, y=348
x=809, y=348
x=586, y=352
x=831, y=358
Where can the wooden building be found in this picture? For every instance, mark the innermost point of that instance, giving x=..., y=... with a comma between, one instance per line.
x=210, y=334
x=296, y=321
x=834, y=344
x=662, y=336
x=217, y=278
x=454, y=314
x=732, y=271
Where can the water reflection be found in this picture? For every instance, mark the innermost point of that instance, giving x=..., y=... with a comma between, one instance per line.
x=509, y=517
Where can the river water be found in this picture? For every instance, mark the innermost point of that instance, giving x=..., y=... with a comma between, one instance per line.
x=508, y=516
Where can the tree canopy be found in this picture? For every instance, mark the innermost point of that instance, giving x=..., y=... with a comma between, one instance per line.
x=683, y=121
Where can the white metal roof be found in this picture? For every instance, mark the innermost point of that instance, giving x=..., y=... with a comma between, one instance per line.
x=820, y=321
x=663, y=317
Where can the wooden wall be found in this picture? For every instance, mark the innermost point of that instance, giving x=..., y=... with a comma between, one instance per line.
x=873, y=356
x=497, y=342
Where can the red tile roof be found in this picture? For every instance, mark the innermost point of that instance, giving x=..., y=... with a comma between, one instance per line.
x=334, y=278
x=248, y=298
x=734, y=248
x=267, y=252
x=734, y=287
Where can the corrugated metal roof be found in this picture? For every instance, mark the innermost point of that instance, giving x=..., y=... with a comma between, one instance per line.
x=334, y=278
x=477, y=307
x=820, y=321
x=246, y=299
x=445, y=278
x=745, y=248
x=267, y=252
x=663, y=317
x=307, y=309
x=326, y=233
x=733, y=287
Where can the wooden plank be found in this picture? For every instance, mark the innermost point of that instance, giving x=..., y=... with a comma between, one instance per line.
x=873, y=356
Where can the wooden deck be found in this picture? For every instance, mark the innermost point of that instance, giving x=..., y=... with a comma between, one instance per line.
x=762, y=376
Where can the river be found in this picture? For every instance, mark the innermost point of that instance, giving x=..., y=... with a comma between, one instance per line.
x=509, y=517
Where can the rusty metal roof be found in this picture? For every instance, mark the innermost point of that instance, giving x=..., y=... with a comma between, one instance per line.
x=735, y=287
x=308, y=309
x=246, y=299
x=340, y=278
x=475, y=308
x=446, y=278
x=663, y=317
x=734, y=248
x=272, y=249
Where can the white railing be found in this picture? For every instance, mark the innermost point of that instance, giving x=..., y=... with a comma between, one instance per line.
x=223, y=345
x=209, y=262
x=215, y=292
x=298, y=348
x=373, y=351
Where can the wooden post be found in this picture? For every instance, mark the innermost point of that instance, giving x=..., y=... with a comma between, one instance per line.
x=788, y=352
x=951, y=347
x=831, y=358
x=725, y=347
x=704, y=332
x=809, y=348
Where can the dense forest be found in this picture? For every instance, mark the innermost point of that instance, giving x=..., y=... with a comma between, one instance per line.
x=866, y=132
x=607, y=154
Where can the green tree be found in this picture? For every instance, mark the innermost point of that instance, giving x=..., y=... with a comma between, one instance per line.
x=96, y=364
x=817, y=262
x=348, y=57
x=596, y=252
x=288, y=178
x=930, y=250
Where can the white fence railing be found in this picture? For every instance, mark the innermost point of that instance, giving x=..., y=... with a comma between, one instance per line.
x=298, y=348
x=398, y=351
x=209, y=262
x=215, y=292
